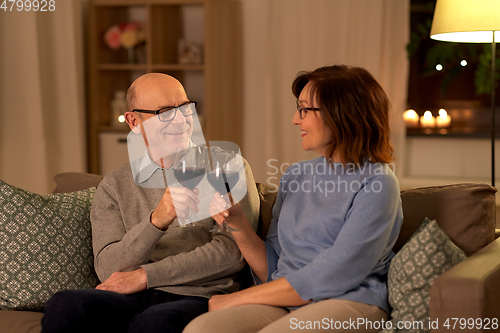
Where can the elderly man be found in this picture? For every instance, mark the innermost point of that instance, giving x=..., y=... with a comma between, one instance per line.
x=156, y=276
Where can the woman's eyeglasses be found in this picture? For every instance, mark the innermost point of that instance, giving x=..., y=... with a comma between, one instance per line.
x=303, y=111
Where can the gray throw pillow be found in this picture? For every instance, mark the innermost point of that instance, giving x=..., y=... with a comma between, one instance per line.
x=427, y=254
x=45, y=246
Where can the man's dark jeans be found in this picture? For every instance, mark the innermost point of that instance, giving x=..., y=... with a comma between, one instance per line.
x=91, y=310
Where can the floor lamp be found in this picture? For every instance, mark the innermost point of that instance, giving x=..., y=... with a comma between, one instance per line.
x=471, y=21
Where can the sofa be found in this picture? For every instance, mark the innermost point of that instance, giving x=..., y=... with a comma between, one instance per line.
x=464, y=215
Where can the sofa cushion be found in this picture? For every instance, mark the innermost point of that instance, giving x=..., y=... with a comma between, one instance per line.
x=465, y=212
x=20, y=321
x=45, y=245
x=267, y=199
x=427, y=254
x=75, y=181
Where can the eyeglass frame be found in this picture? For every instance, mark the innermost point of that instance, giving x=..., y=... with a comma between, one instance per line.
x=303, y=111
x=168, y=108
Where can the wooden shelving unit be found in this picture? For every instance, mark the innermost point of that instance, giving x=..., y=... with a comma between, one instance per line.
x=216, y=83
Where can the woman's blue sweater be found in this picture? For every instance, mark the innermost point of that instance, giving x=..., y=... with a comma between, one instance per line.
x=333, y=230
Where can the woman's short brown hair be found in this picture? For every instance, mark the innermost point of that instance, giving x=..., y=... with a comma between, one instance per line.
x=356, y=110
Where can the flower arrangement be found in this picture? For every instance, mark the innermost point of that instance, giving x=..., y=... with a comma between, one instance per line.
x=126, y=35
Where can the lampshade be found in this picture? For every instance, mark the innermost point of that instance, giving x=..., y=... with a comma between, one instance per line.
x=466, y=21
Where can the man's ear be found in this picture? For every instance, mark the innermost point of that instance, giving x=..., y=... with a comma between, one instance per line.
x=133, y=122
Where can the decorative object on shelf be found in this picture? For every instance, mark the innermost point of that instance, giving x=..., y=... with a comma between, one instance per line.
x=190, y=52
x=411, y=118
x=444, y=119
x=118, y=107
x=127, y=35
x=471, y=21
x=427, y=120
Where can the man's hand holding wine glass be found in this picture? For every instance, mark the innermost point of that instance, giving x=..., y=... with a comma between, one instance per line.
x=180, y=198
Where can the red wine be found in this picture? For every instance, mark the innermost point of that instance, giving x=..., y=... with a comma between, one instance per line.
x=190, y=177
x=224, y=182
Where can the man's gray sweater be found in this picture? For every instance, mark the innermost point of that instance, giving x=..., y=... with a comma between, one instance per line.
x=182, y=260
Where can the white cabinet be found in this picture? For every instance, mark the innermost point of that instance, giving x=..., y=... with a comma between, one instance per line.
x=112, y=150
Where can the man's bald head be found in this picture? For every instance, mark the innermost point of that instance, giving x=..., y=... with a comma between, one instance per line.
x=152, y=85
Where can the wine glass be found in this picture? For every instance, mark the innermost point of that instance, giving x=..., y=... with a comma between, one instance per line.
x=190, y=171
x=223, y=177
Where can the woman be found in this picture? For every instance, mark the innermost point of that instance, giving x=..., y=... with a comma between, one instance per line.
x=335, y=220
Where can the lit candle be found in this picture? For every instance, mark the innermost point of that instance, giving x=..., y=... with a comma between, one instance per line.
x=443, y=120
x=427, y=120
x=411, y=118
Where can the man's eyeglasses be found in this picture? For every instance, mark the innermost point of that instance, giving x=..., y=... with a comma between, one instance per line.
x=303, y=111
x=168, y=113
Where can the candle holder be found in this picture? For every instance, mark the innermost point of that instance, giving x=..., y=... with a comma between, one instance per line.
x=428, y=120
x=411, y=118
x=443, y=120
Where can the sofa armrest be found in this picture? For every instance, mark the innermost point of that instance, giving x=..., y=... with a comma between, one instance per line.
x=469, y=290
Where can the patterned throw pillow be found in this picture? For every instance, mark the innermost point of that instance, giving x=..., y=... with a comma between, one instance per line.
x=427, y=254
x=45, y=246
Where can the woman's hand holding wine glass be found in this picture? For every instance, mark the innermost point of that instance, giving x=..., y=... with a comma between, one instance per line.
x=222, y=214
x=224, y=175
